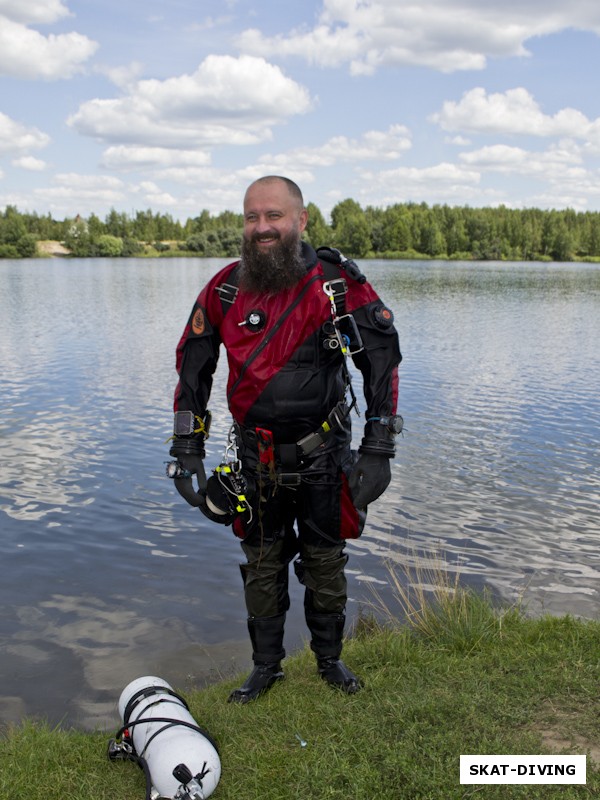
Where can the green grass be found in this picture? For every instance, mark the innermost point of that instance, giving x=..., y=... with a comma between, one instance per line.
x=461, y=677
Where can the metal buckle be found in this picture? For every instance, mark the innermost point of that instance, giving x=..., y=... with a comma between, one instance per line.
x=338, y=414
x=227, y=292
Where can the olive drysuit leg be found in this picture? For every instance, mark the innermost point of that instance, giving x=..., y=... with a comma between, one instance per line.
x=324, y=609
x=265, y=577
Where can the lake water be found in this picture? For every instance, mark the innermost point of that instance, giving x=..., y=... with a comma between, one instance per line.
x=108, y=575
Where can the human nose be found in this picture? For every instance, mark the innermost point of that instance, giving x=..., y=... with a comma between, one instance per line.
x=263, y=224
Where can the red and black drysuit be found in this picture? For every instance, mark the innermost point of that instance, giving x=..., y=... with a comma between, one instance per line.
x=285, y=379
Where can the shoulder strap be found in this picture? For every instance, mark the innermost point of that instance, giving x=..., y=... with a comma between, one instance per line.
x=350, y=267
x=334, y=263
x=332, y=270
x=228, y=291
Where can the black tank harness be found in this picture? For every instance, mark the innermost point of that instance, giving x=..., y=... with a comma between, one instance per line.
x=292, y=455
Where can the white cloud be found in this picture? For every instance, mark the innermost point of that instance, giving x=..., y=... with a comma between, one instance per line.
x=460, y=35
x=74, y=191
x=30, y=163
x=501, y=158
x=124, y=76
x=126, y=157
x=514, y=112
x=26, y=53
x=556, y=167
x=373, y=145
x=459, y=141
x=209, y=23
x=321, y=46
x=33, y=12
x=226, y=101
x=15, y=137
x=76, y=181
x=161, y=199
x=443, y=181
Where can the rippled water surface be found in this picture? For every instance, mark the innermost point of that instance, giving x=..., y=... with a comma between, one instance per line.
x=108, y=575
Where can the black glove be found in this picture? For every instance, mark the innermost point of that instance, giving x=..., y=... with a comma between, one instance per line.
x=370, y=477
x=191, y=463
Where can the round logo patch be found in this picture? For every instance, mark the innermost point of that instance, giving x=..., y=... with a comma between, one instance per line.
x=198, y=322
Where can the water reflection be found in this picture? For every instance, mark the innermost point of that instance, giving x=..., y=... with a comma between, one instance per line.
x=497, y=471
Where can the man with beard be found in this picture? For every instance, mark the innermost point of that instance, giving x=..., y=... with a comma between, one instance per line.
x=287, y=317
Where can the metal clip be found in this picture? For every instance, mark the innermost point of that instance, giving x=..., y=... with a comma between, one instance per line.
x=345, y=342
x=231, y=457
x=330, y=291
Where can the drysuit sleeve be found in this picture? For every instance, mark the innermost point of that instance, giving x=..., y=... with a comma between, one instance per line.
x=378, y=362
x=196, y=360
x=197, y=352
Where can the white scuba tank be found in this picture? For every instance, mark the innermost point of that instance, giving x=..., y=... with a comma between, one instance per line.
x=163, y=733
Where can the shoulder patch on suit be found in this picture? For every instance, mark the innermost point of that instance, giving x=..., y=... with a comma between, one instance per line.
x=198, y=322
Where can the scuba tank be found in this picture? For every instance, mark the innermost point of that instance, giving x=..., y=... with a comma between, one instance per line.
x=179, y=759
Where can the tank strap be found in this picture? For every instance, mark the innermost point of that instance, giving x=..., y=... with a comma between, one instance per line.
x=148, y=691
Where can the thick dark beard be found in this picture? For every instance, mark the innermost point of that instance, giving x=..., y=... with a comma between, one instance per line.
x=281, y=267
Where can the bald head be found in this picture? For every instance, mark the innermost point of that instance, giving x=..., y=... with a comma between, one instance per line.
x=292, y=188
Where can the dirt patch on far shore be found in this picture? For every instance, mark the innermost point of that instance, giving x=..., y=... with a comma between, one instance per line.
x=52, y=248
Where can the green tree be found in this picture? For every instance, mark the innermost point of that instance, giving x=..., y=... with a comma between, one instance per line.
x=118, y=224
x=396, y=229
x=12, y=226
x=27, y=246
x=562, y=246
x=95, y=226
x=317, y=231
x=77, y=238
x=109, y=246
x=351, y=232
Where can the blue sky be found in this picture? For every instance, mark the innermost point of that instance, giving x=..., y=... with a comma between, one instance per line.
x=176, y=106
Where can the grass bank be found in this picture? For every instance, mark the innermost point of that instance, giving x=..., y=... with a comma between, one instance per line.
x=459, y=678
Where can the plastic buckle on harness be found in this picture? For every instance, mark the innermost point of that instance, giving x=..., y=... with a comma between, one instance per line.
x=310, y=442
x=334, y=420
x=288, y=478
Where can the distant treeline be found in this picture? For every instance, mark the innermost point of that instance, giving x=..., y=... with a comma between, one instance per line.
x=403, y=230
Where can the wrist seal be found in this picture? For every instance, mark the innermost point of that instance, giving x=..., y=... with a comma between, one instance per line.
x=380, y=437
x=377, y=447
x=188, y=447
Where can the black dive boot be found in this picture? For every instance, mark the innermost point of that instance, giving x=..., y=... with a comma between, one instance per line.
x=327, y=631
x=266, y=635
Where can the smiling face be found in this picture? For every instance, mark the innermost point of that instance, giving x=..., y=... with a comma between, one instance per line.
x=272, y=213
x=274, y=218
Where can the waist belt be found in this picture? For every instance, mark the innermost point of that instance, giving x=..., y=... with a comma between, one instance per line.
x=291, y=454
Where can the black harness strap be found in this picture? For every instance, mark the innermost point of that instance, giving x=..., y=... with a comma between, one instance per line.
x=332, y=271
